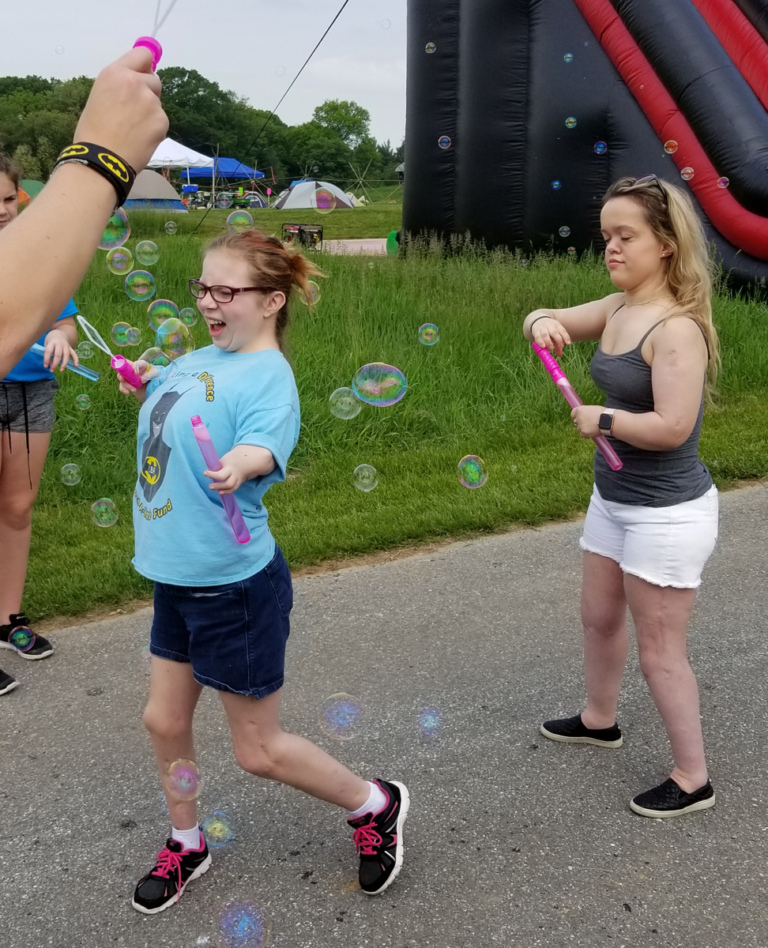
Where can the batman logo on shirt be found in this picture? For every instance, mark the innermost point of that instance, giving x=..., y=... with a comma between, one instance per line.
x=155, y=453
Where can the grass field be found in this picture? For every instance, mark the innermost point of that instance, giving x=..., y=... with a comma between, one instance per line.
x=478, y=391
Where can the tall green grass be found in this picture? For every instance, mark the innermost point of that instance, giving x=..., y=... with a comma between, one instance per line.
x=478, y=391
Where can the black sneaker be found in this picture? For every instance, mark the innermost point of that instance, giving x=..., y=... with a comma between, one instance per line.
x=18, y=636
x=669, y=799
x=379, y=839
x=7, y=683
x=572, y=731
x=175, y=867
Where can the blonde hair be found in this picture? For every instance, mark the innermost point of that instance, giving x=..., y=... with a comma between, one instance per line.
x=690, y=269
x=273, y=266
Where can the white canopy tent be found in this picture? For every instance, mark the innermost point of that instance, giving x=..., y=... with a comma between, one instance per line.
x=171, y=154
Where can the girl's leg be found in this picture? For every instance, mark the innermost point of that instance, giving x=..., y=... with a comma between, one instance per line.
x=661, y=615
x=173, y=696
x=16, y=501
x=263, y=748
x=606, y=640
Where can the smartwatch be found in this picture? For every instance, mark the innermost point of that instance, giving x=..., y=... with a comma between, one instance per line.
x=605, y=424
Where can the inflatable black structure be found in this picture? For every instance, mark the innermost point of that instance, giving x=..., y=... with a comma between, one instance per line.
x=522, y=112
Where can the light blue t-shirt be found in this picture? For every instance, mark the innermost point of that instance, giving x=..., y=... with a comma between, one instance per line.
x=183, y=535
x=30, y=367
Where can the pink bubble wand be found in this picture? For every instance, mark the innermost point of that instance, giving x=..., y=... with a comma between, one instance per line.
x=569, y=394
x=213, y=463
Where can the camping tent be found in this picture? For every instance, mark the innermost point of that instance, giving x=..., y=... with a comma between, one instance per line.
x=171, y=154
x=151, y=191
x=227, y=168
x=305, y=194
x=32, y=187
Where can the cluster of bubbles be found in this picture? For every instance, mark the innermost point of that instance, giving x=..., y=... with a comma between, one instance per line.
x=104, y=512
x=340, y=716
x=242, y=925
x=218, y=829
x=184, y=781
x=123, y=334
x=472, y=471
x=160, y=310
x=366, y=477
x=239, y=221
x=71, y=475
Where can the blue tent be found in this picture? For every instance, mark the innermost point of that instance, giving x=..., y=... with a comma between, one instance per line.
x=226, y=168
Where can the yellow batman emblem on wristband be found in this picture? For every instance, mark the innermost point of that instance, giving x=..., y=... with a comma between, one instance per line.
x=114, y=165
x=74, y=151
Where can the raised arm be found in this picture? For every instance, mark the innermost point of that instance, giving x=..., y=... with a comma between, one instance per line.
x=39, y=271
x=556, y=328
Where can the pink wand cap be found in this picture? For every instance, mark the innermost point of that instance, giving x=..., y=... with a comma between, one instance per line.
x=150, y=43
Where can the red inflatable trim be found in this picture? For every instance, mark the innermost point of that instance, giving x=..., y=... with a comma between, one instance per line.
x=739, y=226
x=740, y=40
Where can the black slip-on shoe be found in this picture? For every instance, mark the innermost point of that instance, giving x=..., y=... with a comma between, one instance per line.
x=7, y=682
x=572, y=731
x=18, y=637
x=669, y=799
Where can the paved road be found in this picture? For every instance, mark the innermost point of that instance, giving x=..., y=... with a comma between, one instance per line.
x=512, y=840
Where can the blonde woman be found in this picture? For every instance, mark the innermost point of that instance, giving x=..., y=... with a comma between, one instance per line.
x=652, y=526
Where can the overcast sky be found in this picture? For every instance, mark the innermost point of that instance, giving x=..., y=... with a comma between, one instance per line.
x=255, y=51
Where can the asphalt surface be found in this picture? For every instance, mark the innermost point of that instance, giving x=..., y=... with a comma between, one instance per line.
x=512, y=840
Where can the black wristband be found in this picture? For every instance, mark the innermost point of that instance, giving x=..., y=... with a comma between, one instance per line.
x=545, y=316
x=118, y=172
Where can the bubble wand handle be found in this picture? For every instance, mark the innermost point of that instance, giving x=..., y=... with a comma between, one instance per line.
x=150, y=43
x=126, y=371
x=569, y=394
x=213, y=463
x=83, y=370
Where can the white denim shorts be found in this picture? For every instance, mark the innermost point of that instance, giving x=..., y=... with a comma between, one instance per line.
x=666, y=546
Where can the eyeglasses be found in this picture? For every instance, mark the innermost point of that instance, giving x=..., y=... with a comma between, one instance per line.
x=222, y=294
x=651, y=179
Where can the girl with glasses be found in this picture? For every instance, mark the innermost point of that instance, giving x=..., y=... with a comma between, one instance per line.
x=222, y=609
x=651, y=526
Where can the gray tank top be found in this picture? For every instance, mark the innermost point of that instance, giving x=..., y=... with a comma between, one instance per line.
x=648, y=478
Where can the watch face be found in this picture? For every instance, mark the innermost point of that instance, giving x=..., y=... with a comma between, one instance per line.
x=605, y=423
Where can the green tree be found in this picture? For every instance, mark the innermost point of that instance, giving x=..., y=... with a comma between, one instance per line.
x=318, y=152
x=27, y=163
x=350, y=121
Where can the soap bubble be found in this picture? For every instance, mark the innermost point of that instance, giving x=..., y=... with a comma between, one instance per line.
x=239, y=221
x=22, y=638
x=385, y=24
x=160, y=310
x=119, y=334
x=568, y=58
x=444, y=142
x=184, y=781
x=723, y=182
x=570, y=122
x=379, y=384
x=472, y=471
x=140, y=286
x=600, y=148
x=218, y=829
x=224, y=201
x=571, y=251
x=83, y=402
x=280, y=71
x=70, y=475
x=242, y=925
x=188, y=316
x=565, y=231
x=84, y=350
x=147, y=253
x=340, y=716
x=670, y=147
x=174, y=339
x=430, y=720
x=59, y=50
x=313, y=292
x=429, y=334
x=104, y=512
x=119, y=261
x=366, y=477
x=687, y=173
x=325, y=201
x=117, y=231
x=430, y=48
x=557, y=184
x=133, y=336
x=155, y=356
x=345, y=404
x=171, y=227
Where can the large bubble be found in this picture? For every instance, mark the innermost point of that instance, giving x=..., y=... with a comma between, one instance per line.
x=218, y=829
x=340, y=716
x=189, y=316
x=239, y=221
x=325, y=201
x=140, y=286
x=70, y=475
x=184, y=781
x=242, y=925
x=147, y=253
x=155, y=356
x=120, y=333
x=119, y=261
x=171, y=227
x=117, y=231
x=104, y=512
x=472, y=471
x=160, y=310
x=174, y=339
x=365, y=477
x=379, y=384
x=429, y=334
x=345, y=404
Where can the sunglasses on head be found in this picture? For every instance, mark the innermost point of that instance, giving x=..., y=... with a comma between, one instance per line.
x=651, y=179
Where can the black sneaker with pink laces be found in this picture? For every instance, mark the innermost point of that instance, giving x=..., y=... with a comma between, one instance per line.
x=379, y=839
x=174, y=868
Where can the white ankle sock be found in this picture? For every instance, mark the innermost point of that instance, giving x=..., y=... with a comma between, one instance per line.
x=376, y=800
x=189, y=839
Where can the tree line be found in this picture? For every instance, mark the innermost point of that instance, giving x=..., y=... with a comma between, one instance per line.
x=38, y=118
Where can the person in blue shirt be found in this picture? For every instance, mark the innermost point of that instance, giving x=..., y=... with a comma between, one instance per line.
x=222, y=609
x=26, y=421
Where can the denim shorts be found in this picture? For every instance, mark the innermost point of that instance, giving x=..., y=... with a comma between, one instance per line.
x=233, y=635
x=665, y=546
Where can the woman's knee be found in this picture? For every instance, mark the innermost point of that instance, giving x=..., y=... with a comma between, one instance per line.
x=259, y=757
x=163, y=725
x=16, y=512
